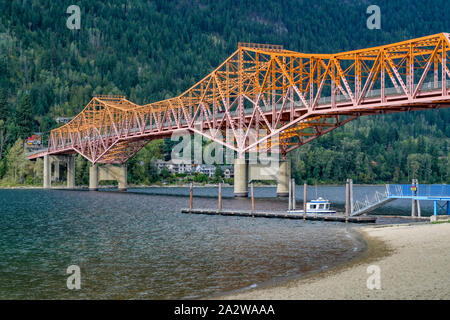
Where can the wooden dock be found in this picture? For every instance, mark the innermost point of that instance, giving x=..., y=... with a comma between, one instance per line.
x=282, y=215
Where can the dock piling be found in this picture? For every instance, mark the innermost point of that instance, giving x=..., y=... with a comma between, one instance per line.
x=293, y=193
x=419, y=214
x=191, y=196
x=290, y=195
x=351, y=195
x=415, y=204
x=252, y=191
x=347, y=198
x=220, y=197
x=305, y=195
x=413, y=201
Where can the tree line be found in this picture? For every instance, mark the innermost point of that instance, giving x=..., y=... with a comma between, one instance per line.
x=152, y=50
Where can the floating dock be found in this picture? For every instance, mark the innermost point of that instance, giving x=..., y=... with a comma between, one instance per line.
x=282, y=215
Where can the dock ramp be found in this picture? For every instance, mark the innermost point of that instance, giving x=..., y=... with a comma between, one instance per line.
x=371, y=207
x=379, y=199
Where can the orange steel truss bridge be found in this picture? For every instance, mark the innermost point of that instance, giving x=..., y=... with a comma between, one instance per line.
x=297, y=97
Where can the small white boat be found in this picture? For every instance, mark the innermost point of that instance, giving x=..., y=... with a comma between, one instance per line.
x=318, y=206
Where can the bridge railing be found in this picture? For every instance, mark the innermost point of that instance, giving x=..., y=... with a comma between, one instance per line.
x=323, y=100
x=423, y=190
x=389, y=91
x=374, y=93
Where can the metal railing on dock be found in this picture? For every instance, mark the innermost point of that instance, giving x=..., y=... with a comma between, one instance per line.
x=413, y=191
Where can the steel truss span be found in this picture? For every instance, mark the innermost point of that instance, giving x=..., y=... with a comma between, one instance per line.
x=293, y=96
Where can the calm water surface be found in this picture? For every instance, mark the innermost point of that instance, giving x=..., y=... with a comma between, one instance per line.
x=134, y=246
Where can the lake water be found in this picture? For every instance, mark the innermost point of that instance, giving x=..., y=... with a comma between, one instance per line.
x=137, y=245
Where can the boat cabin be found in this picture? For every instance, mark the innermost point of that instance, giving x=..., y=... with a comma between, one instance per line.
x=318, y=205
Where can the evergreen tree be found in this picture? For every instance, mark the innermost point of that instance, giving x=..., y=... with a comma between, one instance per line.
x=3, y=139
x=3, y=105
x=24, y=117
x=19, y=168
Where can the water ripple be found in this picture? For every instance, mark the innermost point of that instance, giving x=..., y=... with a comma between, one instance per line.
x=134, y=246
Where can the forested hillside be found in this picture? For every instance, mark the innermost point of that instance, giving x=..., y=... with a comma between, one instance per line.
x=151, y=50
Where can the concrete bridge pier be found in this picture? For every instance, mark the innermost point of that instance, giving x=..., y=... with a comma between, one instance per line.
x=269, y=170
x=54, y=162
x=284, y=176
x=93, y=177
x=240, y=178
x=107, y=172
x=122, y=178
x=47, y=172
x=55, y=173
x=70, y=172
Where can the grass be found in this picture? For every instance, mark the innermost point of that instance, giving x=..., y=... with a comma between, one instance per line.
x=439, y=222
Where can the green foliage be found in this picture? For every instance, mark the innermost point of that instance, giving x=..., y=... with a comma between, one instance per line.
x=38, y=171
x=4, y=108
x=4, y=137
x=218, y=173
x=24, y=117
x=142, y=167
x=19, y=168
x=81, y=171
x=200, y=178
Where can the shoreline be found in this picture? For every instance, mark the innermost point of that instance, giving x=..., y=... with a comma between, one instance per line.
x=414, y=262
x=206, y=185
x=275, y=283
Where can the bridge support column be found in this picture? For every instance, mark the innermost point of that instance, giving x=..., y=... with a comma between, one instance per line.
x=349, y=197
x=284, y=175
x=108, y=172
x=70, y=172
x=240, y=177
x=55, y=169
x=47, y=172
x=93, y=177
x=122, y=178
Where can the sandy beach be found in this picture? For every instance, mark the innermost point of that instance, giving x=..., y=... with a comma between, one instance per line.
x=413, y=260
